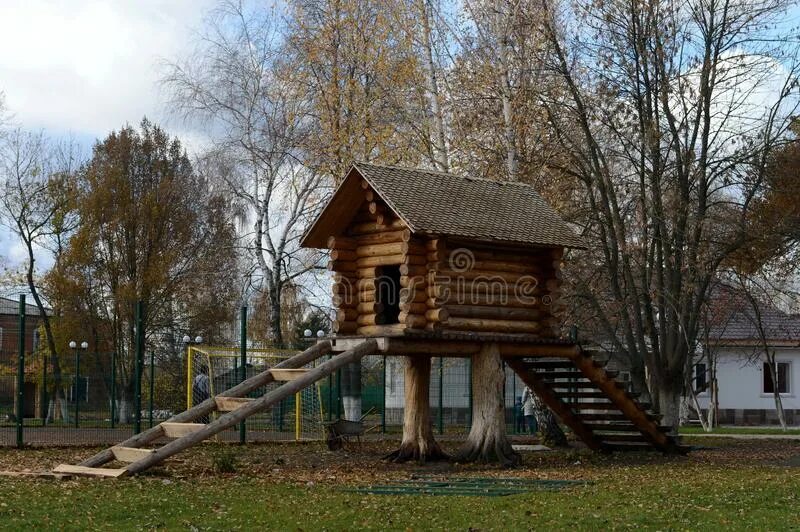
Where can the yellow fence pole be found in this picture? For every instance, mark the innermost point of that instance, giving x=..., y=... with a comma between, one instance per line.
x=188, y=377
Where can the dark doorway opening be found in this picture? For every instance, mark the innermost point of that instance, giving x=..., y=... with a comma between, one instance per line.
x=387, y=291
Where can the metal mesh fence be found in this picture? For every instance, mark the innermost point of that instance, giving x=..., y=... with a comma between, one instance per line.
x=383, y=395
x=218, y=369
x=88, y=398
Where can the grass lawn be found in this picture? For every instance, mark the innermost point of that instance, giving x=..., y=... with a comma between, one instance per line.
x=731, y=484
x=739, y=430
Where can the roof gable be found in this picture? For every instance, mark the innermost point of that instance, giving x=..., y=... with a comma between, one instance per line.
x=734, y=320
x=445, y=204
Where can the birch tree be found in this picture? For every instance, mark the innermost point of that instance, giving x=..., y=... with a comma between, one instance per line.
x=37, y=204
x=240, y=86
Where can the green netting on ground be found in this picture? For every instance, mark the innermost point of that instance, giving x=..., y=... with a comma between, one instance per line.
x=466, y=486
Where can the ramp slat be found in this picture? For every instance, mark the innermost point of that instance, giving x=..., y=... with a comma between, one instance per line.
x=229, y=404
x=288, y=374
x=90, y=471
x=130, y=454
x=178, y=430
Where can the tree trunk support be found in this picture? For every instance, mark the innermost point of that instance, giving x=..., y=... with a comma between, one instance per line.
x=487, y=440
x=418, y=442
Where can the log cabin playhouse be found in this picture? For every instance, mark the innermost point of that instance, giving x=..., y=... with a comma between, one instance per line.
x=431, y=263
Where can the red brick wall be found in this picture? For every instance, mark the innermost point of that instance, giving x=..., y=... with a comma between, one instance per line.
x=10, y=334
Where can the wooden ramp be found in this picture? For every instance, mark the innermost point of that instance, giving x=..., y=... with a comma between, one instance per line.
x=186, y=433
x=590, y=401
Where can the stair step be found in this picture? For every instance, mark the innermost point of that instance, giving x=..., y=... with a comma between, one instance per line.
x=550, y=375
x=581, y=395
x=594, y=406
x=603, y=417
x=178, y=430
x=130, y=454
x=550, y=364
x=634, y=446
x=612, y=427
x=90, y=471
x=622, y=438
x=575, y=384
x=594, y=352
x=229, y=404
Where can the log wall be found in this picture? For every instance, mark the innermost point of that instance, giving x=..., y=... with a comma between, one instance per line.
x=375, y=240
x=483, y=288
x=444, y=283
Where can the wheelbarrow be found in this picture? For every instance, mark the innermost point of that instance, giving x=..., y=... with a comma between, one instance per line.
x=340, y=431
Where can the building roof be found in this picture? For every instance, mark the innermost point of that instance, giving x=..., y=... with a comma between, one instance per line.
x=439, y=203
x=11, y=306
x=735, y=321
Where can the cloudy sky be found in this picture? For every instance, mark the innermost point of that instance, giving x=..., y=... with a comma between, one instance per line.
x=85, y=67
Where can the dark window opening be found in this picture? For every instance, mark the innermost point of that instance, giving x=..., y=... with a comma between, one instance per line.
x=700, y=381
x=387, y=290
x=783, y=378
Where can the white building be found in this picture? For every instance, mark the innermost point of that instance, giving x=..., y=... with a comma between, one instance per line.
x=736, y=352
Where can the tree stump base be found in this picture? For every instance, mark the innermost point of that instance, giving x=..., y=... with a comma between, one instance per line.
x=418, y=442
x=409, y=452
x=487, y=441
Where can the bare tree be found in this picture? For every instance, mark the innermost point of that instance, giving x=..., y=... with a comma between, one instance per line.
x=770, y=324
x=36, y=177
x=668, y=112
x=238, y=84
x=721, y=310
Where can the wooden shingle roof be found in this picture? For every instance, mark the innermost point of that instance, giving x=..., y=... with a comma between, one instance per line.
x=439, y=203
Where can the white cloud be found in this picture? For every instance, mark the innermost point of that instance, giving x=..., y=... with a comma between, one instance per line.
x=90, y=66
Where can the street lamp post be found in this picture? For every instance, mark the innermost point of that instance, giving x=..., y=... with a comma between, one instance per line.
x=74, y=346
x=187, y=341
x=77, y=380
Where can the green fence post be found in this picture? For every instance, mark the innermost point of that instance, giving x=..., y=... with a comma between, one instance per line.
x=243, y=365
x=44, y=398
x=330, y=394
x=113, y=389
x=21, y=373
x=77, y=389
x=383, y=398
x=137, y=399
x=441, y=395
x=469, y=381
x=514, y=396
x=338, y=394
x=152, y=384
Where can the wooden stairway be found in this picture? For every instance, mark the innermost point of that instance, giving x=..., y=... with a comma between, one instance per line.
x=186, y=433
x=593, y=404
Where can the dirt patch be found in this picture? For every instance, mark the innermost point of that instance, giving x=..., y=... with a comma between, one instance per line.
x=312, y=463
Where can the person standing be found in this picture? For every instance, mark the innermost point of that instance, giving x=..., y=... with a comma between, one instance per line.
x=529, y=410
x=519, y=419
x=201, y=390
